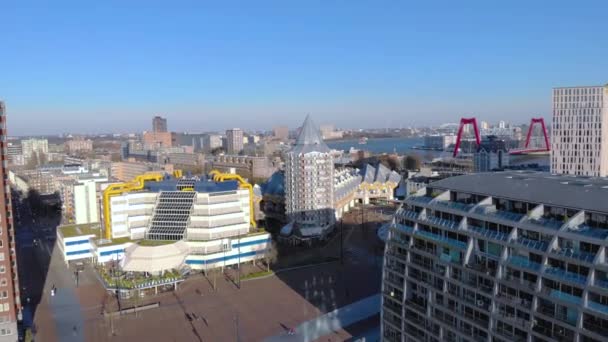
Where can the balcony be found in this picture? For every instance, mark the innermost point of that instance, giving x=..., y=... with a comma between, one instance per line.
x=533, y=244
x=417, y=304
x=550, y=312
x=437, y=221
x=482, y=268
x=601, y=283
x=443, y=239
x=575, y=254
x=420, y=199
x=565, y=297
x=505, y=215
x=404, y=228
x=465, y=207
x=547, y=222
x=514, y=300
x=489, y=234
x=565, y=275
x=597, y=307
x=586, y=230
x=412, y=215
x=524, y=262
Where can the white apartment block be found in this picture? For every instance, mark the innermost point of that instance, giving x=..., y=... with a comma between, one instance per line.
x=580, y=121
x=31, y=146
x=86, y=208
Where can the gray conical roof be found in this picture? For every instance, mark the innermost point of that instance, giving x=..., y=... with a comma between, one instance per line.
x=309, y=139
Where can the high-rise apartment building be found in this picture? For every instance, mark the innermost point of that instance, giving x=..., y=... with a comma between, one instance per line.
x=234, y=141
x=10, y=303
x=309, y=183
x=34, y=147
x=211, y=142
x=504, y=256
x=159, y=124
x=579, y=135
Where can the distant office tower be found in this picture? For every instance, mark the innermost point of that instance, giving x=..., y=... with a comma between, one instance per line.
x=504, y=256
x=10, y=303
x=281, y=133
x=159, y=124
x=309, y=184
x=484, y=125
x=234, y=141
x=502, y=124
x=579, y=137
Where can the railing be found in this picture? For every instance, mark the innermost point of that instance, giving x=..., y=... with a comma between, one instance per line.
x=420, y=199
x=456, y=205
x=534, y=244
x=524, y=262
x=575, y=254
x=601, y=283
x=416, y=304
x=441, y=222
x=490, y=234
x=547, y=222
x=404, y=228
x=586, y=230
x=490, y=210
x=439, y=238
x=550, y=312
x=570, y=276
x=515, y=300
x=598, y=307
x=566, y=297
x=412, y=215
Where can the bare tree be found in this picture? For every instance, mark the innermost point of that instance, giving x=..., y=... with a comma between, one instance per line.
x=270, y=255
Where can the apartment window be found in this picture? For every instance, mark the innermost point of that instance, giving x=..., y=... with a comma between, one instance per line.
x=5, y=331
x=4, y=294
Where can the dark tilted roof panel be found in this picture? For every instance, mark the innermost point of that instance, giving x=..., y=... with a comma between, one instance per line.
x=583, y=193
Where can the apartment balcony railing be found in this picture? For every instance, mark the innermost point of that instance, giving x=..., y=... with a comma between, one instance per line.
x=533, y=244
x=416, y=304
x=565, y=297
x=489, y=234
x=547, y=222
x=586, y=230
x=512, y=319
x=575, y=254
x=601, y=283
x=441, y=222
x=440, y=238
x=409, y=214
x=550, y=312
x=524, y=262
x=404, y=228
x=483, y=269
x=515, y=300
x=456, y=205
x=565, y=275
x=598, y=307
x=506, y=215
x=420, y=199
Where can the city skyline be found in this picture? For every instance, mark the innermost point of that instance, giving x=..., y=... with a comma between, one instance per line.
x=70, y=68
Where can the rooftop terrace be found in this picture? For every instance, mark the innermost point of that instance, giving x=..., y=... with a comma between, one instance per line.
x=79, y=230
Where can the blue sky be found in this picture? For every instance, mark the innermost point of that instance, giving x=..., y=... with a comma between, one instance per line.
x=111, y=66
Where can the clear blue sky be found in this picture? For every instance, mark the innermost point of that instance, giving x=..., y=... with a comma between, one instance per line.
x=111, y=66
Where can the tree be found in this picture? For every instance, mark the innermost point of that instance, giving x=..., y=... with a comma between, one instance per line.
x=216, y=151
x=271, y=254
x=412, y=162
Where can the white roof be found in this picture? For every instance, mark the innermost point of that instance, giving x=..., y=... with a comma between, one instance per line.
x=155, y=258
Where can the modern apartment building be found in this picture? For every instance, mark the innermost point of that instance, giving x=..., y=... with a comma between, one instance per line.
x=309, y=184
x=29, y=147
x=497, y=257
x=579, y=135
x=234, y=141
x=211, y=142
x=159, y=124
x=79, y=145
x=280, y=133
x=10, y=302
x=125, y=171
x=246, y=166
